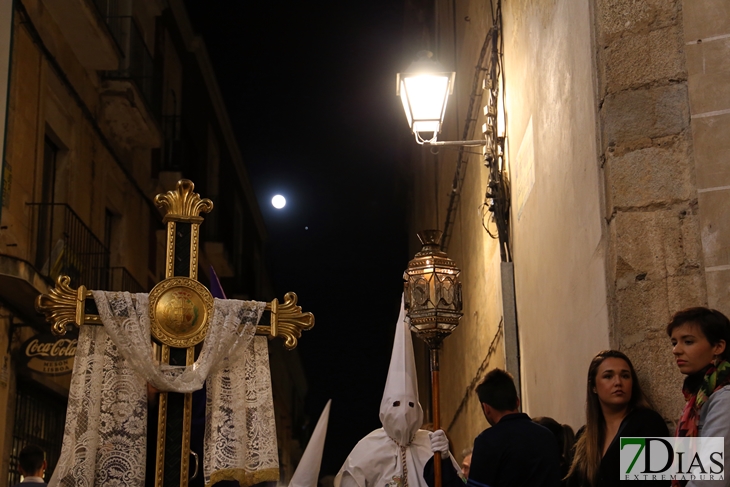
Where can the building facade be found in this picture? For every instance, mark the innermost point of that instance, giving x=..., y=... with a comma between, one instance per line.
x=110, y=102
x=616, y=216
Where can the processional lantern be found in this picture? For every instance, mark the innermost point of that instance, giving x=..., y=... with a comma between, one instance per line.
x=432, y=296
x=424, y=89
x=180, y=313
x=432, y=291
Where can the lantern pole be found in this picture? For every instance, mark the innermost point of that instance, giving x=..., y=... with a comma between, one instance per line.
x=432, y=293
x=434, y=346
x=435, y=408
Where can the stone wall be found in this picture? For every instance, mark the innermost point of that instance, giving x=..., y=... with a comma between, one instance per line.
x=88, y=178
x=707, y=51
x=655, y=256
x=40, y=104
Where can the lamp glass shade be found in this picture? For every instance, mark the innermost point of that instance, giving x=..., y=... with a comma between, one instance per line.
x=424, y=100
x=424, y=90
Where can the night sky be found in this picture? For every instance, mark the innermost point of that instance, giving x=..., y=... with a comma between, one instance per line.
x=310, y=89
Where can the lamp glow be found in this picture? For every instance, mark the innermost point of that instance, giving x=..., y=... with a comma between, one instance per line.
x=278, y=202
x=424, y=89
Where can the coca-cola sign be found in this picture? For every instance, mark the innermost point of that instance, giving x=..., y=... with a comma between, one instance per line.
x=48, y=354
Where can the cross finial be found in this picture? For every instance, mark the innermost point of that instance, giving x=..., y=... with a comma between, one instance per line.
x=182, y=203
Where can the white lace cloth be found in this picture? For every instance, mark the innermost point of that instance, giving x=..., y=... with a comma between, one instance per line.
x=104, y=442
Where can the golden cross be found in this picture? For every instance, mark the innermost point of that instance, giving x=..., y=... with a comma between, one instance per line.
x=180, y=309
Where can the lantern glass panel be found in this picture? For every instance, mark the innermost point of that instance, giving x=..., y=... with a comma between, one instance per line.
x=433, y=290
x=406, y=104
x=425, y=101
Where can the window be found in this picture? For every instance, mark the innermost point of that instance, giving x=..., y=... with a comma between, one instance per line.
x=45, y=211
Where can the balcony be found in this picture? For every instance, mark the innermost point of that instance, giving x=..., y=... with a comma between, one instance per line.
x=65, y=245
x=127, y=93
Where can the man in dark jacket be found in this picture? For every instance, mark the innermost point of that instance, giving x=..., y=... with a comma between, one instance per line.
x=513, y=452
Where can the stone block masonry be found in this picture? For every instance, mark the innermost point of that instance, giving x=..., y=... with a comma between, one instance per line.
x=655, y=259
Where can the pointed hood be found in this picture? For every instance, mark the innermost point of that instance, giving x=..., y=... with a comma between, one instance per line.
x=400, y=411
x=307, y=472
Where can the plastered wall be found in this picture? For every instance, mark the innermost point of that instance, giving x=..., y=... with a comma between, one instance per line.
x=477, y=343
x=558, y=245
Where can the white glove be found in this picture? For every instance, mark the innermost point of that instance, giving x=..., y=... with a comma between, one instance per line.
x=439, y=442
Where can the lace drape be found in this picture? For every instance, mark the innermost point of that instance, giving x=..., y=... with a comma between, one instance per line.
x=241, y=395
x=106, y=420
x=105, y=436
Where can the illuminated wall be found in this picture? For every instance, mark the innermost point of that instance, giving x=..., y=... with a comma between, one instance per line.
x=615, y=114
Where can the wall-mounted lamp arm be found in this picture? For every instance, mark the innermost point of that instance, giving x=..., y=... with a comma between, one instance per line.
x=460, y=143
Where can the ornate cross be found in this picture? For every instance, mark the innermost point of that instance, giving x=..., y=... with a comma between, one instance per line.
x=180, y=310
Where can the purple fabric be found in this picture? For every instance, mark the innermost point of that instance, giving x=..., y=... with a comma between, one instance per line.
x=215, y=285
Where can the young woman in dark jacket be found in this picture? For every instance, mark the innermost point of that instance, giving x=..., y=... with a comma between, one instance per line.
x=615, y=407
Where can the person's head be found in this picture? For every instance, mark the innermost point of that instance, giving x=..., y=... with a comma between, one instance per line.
x=498, y=395
x=699, y=337
x=552, y=425
x=32, y=461
x=466, y=462
x=400, y=411
x=563, y=435
x=612, y=386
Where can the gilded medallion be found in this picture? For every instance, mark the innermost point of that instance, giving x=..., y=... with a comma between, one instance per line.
x=180, y=309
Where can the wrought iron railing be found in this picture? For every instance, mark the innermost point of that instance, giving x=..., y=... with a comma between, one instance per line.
x=65, y=245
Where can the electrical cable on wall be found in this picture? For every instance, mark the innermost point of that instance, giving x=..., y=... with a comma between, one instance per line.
x=461, y=159
x=496, y=206
x=497, y=197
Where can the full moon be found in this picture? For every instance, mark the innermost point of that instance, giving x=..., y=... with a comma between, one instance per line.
x=278, y=202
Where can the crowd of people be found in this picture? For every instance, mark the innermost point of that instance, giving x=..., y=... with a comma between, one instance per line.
x=518, y=452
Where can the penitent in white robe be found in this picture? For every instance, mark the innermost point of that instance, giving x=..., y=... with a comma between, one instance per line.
x=376, y=461
x=394, y=455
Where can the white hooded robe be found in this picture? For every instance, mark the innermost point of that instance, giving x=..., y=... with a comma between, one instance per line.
x=378, y=460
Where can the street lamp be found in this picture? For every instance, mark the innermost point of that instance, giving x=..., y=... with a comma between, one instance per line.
x=424, y=89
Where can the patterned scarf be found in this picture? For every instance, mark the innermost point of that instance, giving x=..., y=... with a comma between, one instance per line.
x=716, y=376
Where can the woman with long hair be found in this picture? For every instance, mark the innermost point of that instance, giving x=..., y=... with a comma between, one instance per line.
x=700, y=338
x=615, y=407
